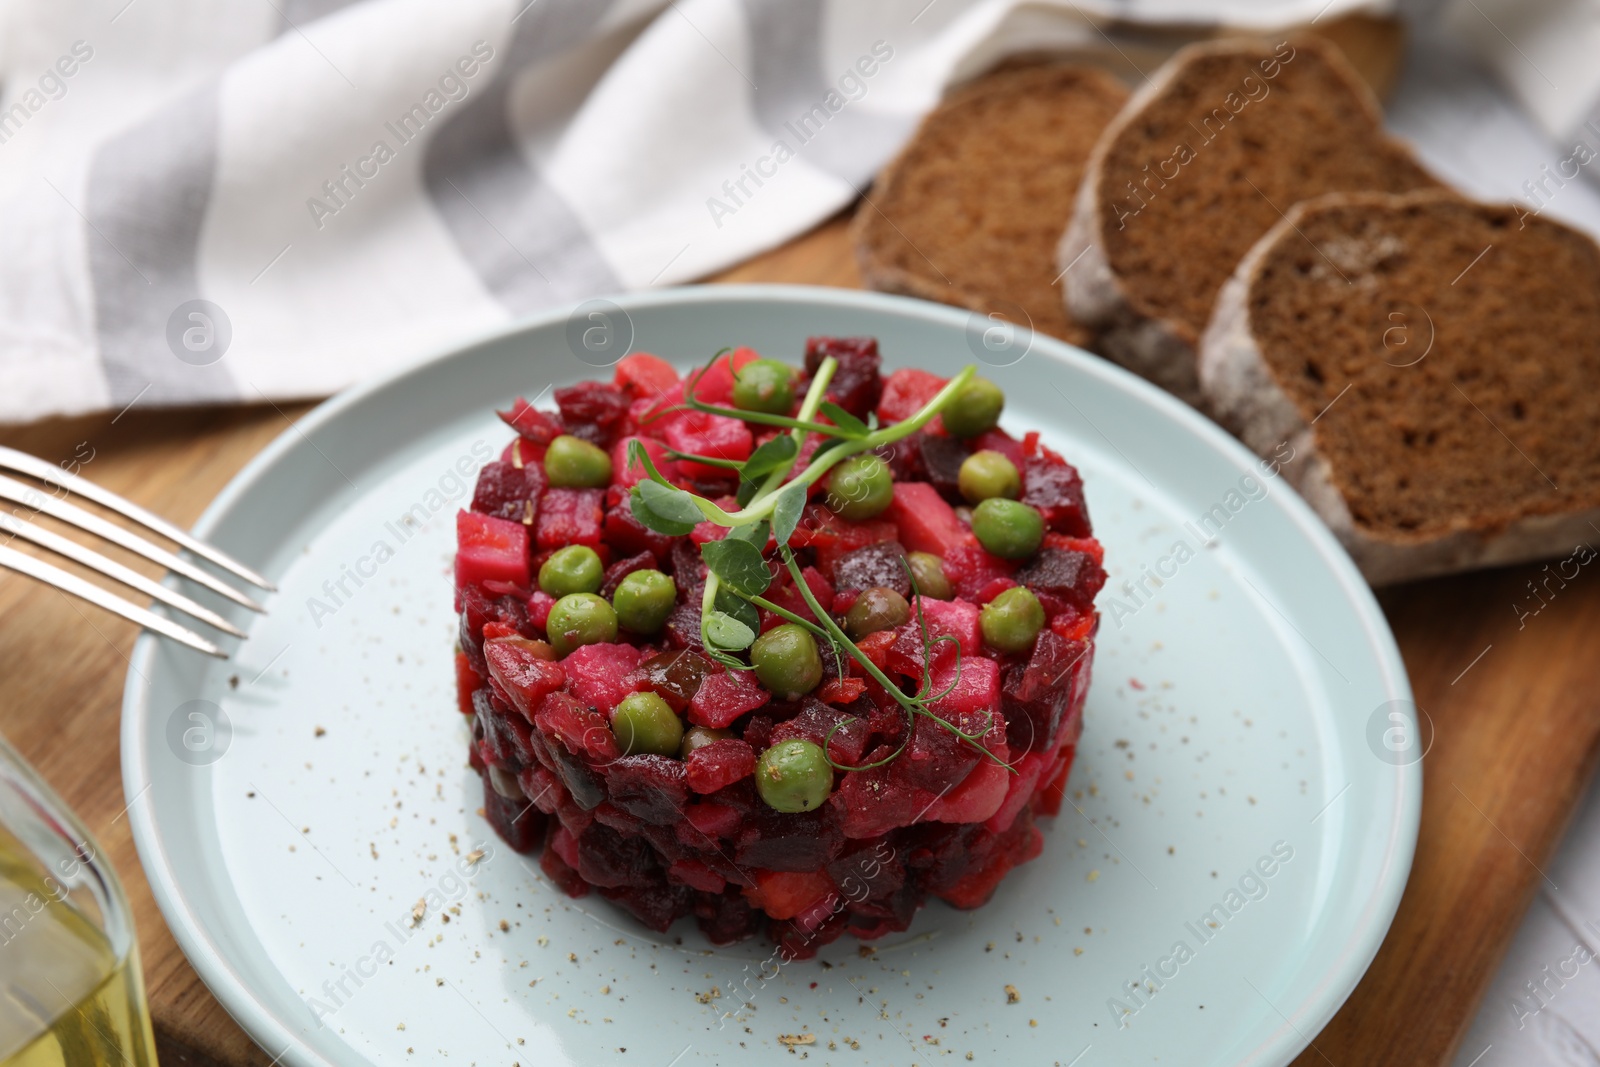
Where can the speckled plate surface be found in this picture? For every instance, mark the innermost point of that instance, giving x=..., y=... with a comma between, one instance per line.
x=1244, y=806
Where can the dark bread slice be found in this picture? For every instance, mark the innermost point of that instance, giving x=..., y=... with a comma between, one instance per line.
x=1203, y=160
x=1433, y=363
x=969, y=212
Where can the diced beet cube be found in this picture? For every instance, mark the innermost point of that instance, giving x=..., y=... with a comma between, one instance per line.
x=619, y=570
x=873, y=565
x=906, y=392
x=1055, y=488
x=785, y=894
x=625, y=533
x=935, y=759
x=841, y=732
x=696, y=874
x=997, y=440
x=944, y=618
x=1018, y=845
x=467, y=683
x=926, y=521
x=977, y=798
x=1073, y=577
x=490, y=549
x=799, y=841
x=629, y=472
x=723, y=697
x=834, y=538
x=941, y=464
x=532, y=424
x=713, y=436
x=1021, y=786
x=856, y=385
x=592, y=411
x=641, y=374
x=509, y=492
x=608, y=860
x=570, y=517
x=841, y=691
x=558, y=870
x=654, y=788
x=973, y=698
x=1052, y=789
x=539, y=605
x=508, y=740
x=521, y=674
x=786, y=594
x=721, y=763
x=517, y=822
x=674, y=676
x=580, y=728
x=714, y=384
x=993, y=588
x=971, y=569
x=867, y=806
x=651, y=415
x=1036, y=694
x=712, y=819
x=598, y=674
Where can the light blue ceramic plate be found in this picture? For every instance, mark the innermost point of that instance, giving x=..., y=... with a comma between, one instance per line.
x=1244, y=805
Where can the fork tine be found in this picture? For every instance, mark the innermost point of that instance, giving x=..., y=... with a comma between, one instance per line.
x=11, y=559
x=111, y=569
x=10, y=489
x=34, y=467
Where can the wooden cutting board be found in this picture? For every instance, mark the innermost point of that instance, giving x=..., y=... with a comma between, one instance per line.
x=1514, y=711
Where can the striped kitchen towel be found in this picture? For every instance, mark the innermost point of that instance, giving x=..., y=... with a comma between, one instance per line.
x=267, y=199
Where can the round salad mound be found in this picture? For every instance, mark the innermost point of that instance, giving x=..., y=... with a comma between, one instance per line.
x=782, y=648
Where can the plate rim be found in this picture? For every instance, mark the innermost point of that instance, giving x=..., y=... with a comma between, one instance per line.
x=238, y=999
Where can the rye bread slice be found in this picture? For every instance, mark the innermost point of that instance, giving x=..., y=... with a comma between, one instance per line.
x=1205, y=158
x=969, y=212
x=1425, y=368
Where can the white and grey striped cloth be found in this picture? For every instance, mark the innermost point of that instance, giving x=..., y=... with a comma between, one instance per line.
x=230, y=200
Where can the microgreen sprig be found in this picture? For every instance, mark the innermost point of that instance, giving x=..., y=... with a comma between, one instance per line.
x=772, y=499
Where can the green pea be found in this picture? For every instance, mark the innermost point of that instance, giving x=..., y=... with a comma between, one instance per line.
x=1012, y=620
x=698, y=737
x=928, y=570
x=574, y=569
x=643, y=601
x=579, y=619
x=764, y=385
x=860, y=488
x=988, y=474
x=786, y=661
x=644, y=723
x=878, y=608
x=1009, y=529
x=573, y=463
x=794, y=776
x=975, y=409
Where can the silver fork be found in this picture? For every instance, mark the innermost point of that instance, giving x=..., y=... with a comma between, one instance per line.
x=13, y=525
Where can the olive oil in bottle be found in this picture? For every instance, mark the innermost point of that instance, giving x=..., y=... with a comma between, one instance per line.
x=66, y=998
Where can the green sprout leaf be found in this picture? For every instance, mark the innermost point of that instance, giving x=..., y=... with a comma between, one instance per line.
x=739, y=564
x=754, y=532
x=727, y=633
x=791, y=503
x=652, y=519
x=674, y=505
x=852, y=426
x=731, y=604
x=770, y=456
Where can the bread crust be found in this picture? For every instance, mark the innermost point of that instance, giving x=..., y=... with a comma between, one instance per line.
x=1242, y=394
x=1162, y=350
x=878, y=270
